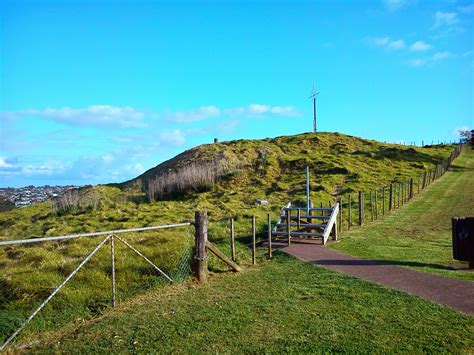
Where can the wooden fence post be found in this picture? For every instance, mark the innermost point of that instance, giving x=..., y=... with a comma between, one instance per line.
x=232, y=240
x=418, y=185
x=349, y=222
x=269, y=222
x=424, y=181
x=383, y=201
x=200, y=241
x=411, y=188
x=361, y=208
x=254, y=246
x=340, y=214
x=398, y=196
x=376, y=206
x=298, y=219
x=390, y=198
x=288, y=225
x=371, y=207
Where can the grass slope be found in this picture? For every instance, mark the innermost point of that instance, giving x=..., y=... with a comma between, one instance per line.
x=339, y=163
x=284, y=306
x=419, y=235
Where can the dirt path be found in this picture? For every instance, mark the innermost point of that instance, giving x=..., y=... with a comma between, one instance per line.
x=450, y=292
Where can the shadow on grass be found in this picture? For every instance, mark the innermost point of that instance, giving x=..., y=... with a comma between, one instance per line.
x=459, y=169
x=360, y=262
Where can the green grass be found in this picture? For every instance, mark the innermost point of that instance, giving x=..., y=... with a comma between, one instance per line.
x=283, y=306
x=339, y=164
x=419, y=234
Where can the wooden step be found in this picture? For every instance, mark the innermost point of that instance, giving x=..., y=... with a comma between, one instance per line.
x=283, y=216
x=303, y=225
x=299, y=234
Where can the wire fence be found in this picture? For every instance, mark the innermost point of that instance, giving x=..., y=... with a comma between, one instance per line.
x=48, y=282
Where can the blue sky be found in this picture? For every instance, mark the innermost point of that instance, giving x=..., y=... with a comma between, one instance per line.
x=100, y=91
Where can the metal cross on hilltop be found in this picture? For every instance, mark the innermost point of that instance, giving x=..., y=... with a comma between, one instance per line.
x=314, y=95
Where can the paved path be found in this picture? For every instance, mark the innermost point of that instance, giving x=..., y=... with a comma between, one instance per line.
x=450, y=292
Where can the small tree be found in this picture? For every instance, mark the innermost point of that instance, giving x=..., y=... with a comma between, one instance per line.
x=465, y=136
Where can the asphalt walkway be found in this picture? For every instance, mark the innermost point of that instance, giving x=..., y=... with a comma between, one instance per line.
x=456, y=294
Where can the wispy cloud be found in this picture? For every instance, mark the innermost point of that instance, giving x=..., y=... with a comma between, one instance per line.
x=394, y=5
x=445, y=19
x=198, y=114
x=173, y=137
x=420, y=46
x=386, y=42
x=397, y=44
x=103, y=115
x=252, y=110
x=420, y=62
x=259, y=110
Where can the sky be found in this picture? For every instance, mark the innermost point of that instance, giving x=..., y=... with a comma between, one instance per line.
x=100, y=91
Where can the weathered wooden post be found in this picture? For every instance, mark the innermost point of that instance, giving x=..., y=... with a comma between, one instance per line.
x=398, y=196
x=411, y=188
x=288, y=225
x=390, y=198
x=340, y=214
x=334, y=227
x=418, y=185
x=361, y=208
x=269, y=223
x=200, y=241
x=232, y=239
x=424, y=181
x=254, y=245
x=349, y=221
x=376, y=206
x=310, y=212
x=371, y=206
x=298, y=219
x=383, y=200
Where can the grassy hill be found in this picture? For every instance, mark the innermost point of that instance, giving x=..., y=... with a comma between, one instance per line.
x=338, y=164
x=240, y=172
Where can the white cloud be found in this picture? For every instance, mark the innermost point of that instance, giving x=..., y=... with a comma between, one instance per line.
x=419, y=62
x=5, y=163
x=394, y=5
x=90, y=116
x=455, y=131
x=398, y=44
x=262, y=110
x=206, y=112
x=380, y=41
x=198, y=114
x=445, y=19
x=386, y=42
x=173, y=137
x=420, y=46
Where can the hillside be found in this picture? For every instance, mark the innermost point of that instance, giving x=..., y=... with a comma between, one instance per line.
x=272, y=169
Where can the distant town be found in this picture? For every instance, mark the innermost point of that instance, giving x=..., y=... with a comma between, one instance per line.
x=25, y=196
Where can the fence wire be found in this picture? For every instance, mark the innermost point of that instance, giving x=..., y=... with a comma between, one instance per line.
x=31, y=272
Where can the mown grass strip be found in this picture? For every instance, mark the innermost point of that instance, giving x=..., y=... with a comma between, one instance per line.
x=419, y=234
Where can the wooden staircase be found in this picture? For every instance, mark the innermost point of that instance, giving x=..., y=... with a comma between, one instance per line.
x=309, y=223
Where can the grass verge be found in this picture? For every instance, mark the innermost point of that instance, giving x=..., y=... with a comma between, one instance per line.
x=419, y=234
x=283, y=306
